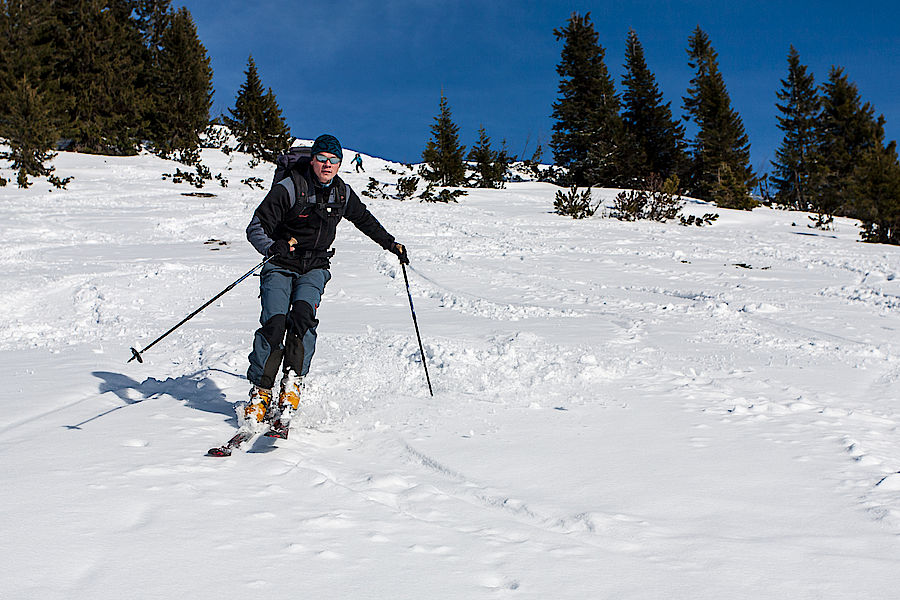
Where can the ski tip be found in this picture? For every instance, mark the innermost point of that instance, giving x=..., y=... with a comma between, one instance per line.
x=220, y=451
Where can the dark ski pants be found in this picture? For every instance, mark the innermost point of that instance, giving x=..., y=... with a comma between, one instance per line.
x=289, y=303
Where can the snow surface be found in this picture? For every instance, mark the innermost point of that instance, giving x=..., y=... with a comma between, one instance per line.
x=621, y=410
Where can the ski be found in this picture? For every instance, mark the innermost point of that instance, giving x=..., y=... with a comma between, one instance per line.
x=242, y=436
x=274, y=426
x=279, y=429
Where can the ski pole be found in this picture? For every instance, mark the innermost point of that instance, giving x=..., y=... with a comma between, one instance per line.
x=416, y=324
x=137, y=355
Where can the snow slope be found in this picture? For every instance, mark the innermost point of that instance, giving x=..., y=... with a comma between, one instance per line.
x=621, y=410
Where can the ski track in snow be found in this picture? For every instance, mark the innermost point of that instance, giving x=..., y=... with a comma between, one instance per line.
x=621, y=410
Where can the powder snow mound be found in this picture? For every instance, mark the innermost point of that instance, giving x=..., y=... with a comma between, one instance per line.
x=690, y=409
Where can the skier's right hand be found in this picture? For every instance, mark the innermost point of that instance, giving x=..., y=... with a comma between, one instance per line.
x=400, y=251
x=281, y=248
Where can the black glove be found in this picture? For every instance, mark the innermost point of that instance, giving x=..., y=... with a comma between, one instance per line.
x=280, y=248
x=400, y=251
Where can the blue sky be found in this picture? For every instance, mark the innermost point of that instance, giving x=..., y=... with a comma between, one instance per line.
x=371, y=72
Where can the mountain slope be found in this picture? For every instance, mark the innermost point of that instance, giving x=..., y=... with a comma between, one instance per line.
x=628, y=410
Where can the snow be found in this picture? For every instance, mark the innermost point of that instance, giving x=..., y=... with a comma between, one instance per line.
x=621, y=410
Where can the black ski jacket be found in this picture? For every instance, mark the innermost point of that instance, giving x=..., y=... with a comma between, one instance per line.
x=312, y=220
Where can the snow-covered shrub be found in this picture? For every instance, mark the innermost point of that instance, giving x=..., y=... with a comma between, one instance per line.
x=407, y=186
x=657, y=200
x=444, y=195
x=375, y=189
x=575, y=204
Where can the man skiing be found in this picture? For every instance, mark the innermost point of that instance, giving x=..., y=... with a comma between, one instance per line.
x=295, y=224
x=357, y=160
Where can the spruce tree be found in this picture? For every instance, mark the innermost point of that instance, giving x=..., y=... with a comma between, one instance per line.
x=720, y=169
x=28, y=121
x=99, y=55
x=256, y=119
x=152, y=18
x=443, y=155
x=246, y=119
x=275, y=135
x=30, y=131
x=848, y=130
x=25, y=42
x=797, y=161
x=490, y=164
x=589, y=137
x=183, y=78
x=875, y=189
x=659, y=137
x=5, y=49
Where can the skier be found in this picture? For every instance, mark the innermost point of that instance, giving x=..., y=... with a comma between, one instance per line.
x=357, y=160
x=297, y=229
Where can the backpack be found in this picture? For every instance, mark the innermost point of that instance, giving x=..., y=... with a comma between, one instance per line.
x=300, y=157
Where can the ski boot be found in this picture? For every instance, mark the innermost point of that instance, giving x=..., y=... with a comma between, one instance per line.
x=255, y=410
x=288, y=402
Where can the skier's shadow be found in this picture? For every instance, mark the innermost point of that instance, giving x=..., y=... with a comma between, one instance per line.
x=196, y=391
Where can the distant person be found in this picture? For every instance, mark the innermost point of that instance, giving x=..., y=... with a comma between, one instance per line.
x=296, y=224
x=357, y=160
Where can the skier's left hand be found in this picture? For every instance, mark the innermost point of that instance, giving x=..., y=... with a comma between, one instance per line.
x=400, y=251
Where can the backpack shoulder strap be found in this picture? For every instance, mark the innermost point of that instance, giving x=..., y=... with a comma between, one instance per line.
x=288, y=184
x=291, y=186
x=343, y=193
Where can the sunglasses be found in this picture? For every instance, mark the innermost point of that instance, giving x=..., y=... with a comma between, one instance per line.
x=331, y=159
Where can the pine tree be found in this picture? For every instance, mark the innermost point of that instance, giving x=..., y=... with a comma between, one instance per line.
x=5, y=49
x=490, y=164
x=275, y=135
x=27, y=119
x=797, y=158
x=848, y=130
x=720, y=140
x=589, y=137
x=246, y=119
x=256, y=119
x=183, y=78
x=875, y=188
x=99, y=54
x=152, y=18
x=659, y=137
x=30, y=130
x=96, y=66
x=152, y=21
x=443, y=155
x=23, y=47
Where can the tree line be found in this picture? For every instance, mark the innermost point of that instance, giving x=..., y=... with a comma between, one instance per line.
x=115, y=76
x=100, y=76
x=832, y=161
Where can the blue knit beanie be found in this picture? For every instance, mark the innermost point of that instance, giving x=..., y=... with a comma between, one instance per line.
x=328, y=143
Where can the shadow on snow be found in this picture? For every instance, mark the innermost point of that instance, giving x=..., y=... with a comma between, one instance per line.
x=196, y=391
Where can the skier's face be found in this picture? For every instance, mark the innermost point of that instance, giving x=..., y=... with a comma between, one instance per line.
x=325, y=171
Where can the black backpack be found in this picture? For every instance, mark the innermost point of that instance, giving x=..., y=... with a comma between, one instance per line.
x=300, y=157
